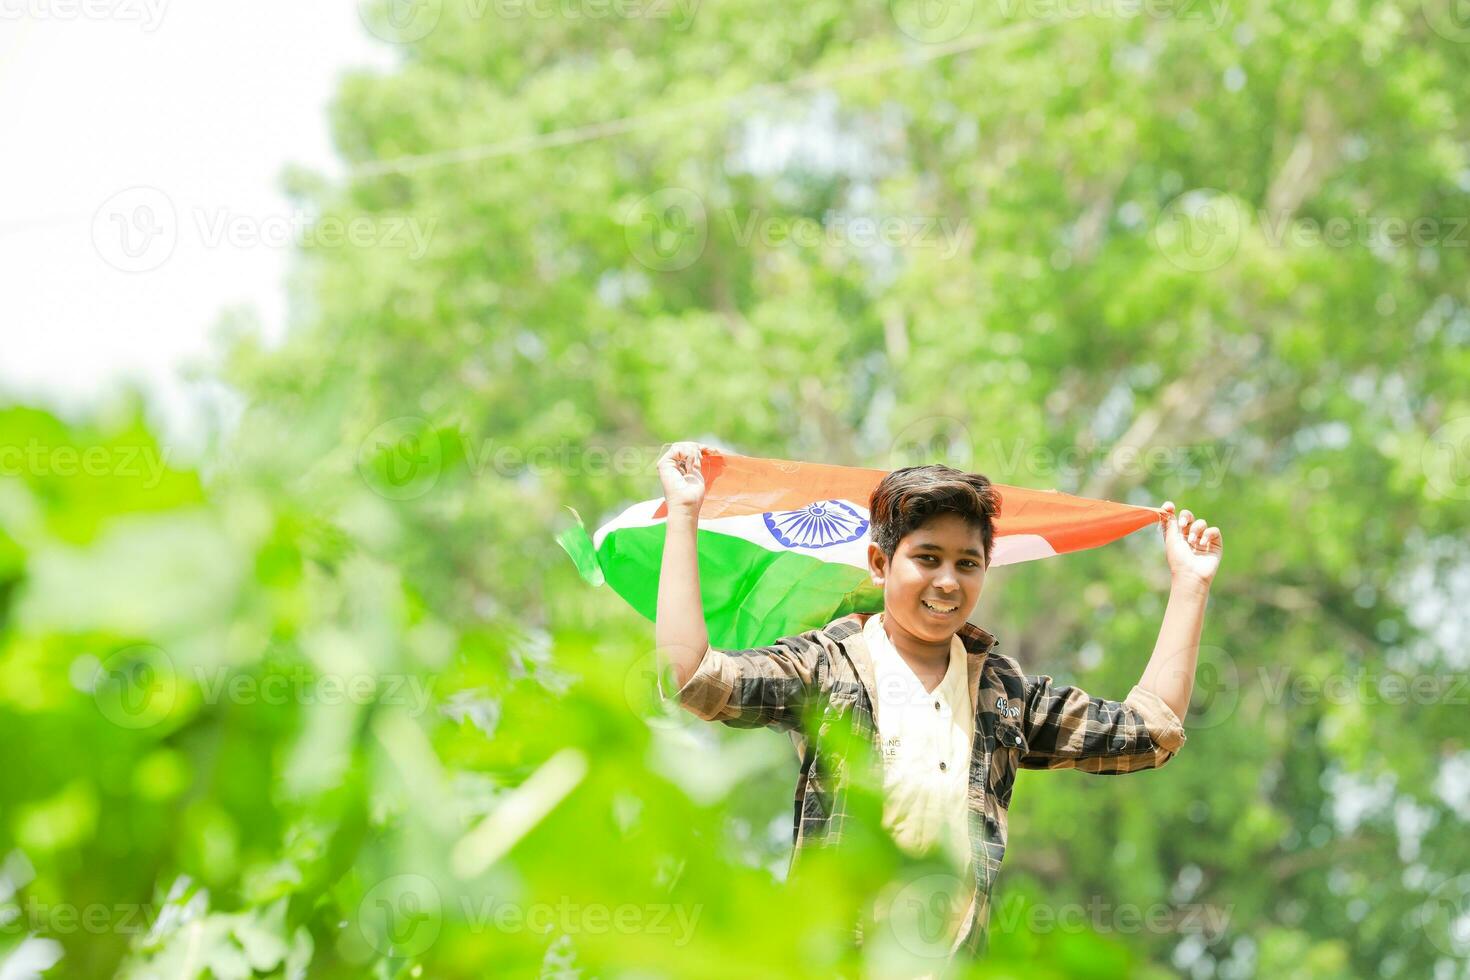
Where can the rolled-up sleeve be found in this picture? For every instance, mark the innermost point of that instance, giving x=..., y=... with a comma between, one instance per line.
x=1066, y=728
x=761, y=687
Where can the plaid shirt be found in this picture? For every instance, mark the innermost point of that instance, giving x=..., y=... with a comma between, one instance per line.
x=1022, y=721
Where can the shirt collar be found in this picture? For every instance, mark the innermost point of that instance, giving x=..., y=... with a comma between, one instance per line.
x=977, y=642
x=960, y=649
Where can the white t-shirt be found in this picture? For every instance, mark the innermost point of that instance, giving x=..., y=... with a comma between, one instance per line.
x=926, y=739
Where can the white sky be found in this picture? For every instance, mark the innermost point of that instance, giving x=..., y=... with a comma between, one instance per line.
x=201, y=103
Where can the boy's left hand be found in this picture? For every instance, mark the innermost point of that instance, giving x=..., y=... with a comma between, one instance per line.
x=1191, y=546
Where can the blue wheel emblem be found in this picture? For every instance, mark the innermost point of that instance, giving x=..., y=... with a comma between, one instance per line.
x=818, y=525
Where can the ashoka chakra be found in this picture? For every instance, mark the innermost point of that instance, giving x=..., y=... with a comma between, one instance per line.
x=818, y=525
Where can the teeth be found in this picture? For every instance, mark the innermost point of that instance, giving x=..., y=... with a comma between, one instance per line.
x=938, y=609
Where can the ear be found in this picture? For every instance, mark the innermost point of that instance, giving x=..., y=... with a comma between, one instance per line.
x=877, y=564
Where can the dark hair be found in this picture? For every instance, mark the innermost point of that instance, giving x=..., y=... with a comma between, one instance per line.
x=906, y=499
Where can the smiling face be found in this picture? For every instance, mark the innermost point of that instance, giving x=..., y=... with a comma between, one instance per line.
x=933, y=581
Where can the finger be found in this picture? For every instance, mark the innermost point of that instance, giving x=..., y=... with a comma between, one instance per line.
x=1212, y=536
x=1196, y=531
x=1185, y=517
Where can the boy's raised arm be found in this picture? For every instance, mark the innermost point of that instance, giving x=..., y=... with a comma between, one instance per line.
x=1193, y=550
x=679, y=631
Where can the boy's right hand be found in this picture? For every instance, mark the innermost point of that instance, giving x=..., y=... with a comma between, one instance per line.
x=683, y=478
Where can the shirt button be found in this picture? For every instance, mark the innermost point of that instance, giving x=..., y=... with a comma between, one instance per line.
x=936, y=705
x=943, y=766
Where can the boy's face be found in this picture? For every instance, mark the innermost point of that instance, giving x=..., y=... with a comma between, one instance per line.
x=934, y=580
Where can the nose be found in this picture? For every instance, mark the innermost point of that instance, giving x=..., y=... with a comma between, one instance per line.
x=945, y=580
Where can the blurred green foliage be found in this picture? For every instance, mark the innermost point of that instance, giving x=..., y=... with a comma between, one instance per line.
x=329, y=700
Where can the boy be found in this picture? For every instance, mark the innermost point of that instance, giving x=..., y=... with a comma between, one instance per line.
x=950, y=718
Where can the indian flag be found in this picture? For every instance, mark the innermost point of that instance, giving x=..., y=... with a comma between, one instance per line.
x=783, y=546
